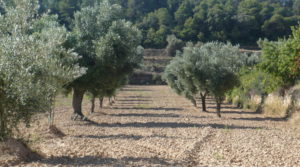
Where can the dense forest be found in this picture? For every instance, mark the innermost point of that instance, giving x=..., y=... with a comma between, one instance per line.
x=237, y=21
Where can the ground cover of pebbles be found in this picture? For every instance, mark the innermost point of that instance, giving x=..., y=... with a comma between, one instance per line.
x=152, y=126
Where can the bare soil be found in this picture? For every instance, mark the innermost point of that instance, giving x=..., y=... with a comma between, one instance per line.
x=152, y=126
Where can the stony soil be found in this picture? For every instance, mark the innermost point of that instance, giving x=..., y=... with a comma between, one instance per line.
x=152, y=126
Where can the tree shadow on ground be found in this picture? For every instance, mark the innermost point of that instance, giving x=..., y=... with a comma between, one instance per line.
x=136, y=90
x=207, y=103
x=167, y=125
x=135, y=97
x=145, y=115
x=137, y=103
x=149, y=115
x=120, y=136
x=126, y=137
x=235, y=112
x=146, y=108
x=133, y=100
x=128, y=103
x=261, y=119
x=101, y=161
x=223, y=107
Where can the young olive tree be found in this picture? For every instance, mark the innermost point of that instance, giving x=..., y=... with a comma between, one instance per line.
x=34, y=65
x=182, y=75
x=221, y=66
x=195, y=70
x=210, y=67
x=109, y=49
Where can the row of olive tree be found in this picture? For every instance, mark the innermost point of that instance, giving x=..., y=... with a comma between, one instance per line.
x=205, y=68
x=39, y=57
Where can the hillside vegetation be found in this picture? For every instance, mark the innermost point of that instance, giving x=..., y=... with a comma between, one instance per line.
x=238, y=21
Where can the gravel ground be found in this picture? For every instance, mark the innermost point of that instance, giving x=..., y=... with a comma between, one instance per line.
x=152, y=126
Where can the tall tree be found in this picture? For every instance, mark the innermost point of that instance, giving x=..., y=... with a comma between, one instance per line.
x=108, y=46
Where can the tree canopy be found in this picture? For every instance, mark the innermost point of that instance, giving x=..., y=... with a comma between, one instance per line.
x=34, y=65
x=205, y=68
x=281, y=58
x=109, y=47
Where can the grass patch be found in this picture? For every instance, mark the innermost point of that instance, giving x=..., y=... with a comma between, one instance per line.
x=253, y=103
x=275, y=106
x=259, y=128
x=218, y=156
x=143, y=106
x=226, y=129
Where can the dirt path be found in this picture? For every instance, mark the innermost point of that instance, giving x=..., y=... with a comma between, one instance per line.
x=152, y=126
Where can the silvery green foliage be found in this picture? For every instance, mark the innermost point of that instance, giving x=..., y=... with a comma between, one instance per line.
x=92, y=23
x=109, y=46
x=174, y=44
x=211, y=66
x=214, y=65
x=118, y=54
x=176, y=77
x=34, y=65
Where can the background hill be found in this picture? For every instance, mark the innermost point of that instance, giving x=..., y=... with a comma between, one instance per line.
x=237, y=21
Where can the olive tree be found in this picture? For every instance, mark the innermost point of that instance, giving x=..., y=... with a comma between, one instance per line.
x=222, y=64
x=195, y=70
x=174, y=44
x=184, y=77
x=207, y=68
x=109, y=49
x=34, y=65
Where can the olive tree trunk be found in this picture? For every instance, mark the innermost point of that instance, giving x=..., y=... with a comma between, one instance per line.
x=101, y=102
x=192, y=99
x=292, y=107
x=219, y=102
x=92, y=104
x=194, y=102
x=51, y=112
x=239, y=105
x=203, y=100
x=3, y=128
x=110, y=101
x=260, y=106
x=77, y=104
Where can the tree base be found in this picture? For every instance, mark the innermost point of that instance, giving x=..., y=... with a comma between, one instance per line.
x=78, y=117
